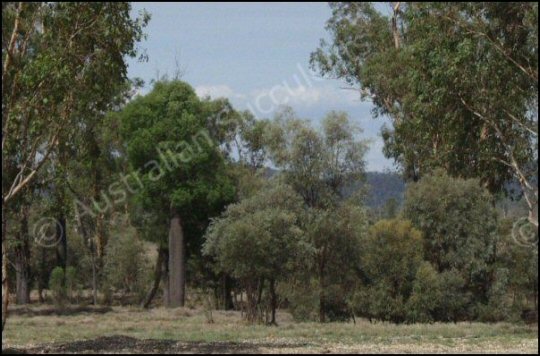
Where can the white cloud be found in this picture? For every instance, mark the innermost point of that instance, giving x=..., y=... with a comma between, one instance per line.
x=218, y=91
x=304, y=96
x=284, y=94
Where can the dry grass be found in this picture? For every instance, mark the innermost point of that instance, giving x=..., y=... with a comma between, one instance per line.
x=186, y=330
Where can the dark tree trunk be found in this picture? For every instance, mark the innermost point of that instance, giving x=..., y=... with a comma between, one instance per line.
x=22, y=272
x=177, y=265
x=94, y=277
x=260, y=290
x=157, y=277
x=251, y=308
x=5, y=285
x=22, y=261
x=322, y=304
x=226, y=297
x=165, y=278
x=61, y=237
x=42, y=277
x=273, y=301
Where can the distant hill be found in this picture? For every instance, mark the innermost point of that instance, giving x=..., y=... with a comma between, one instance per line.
x=380, y=187
x=383, y=186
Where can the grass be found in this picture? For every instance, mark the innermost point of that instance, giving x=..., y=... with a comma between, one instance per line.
x=190, y=326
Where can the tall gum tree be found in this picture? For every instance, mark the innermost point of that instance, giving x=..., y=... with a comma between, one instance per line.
x=458, y=80
x=52, y=55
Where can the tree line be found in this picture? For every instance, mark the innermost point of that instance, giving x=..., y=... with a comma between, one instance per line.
x=114, y=172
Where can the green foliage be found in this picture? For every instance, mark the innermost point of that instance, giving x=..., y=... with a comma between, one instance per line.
x=179, y=164
x=426, y=294
x=317, y=164
x=498, y=307
x=80, y=258
x=58, y=73
x=72, y=284
x=461, y=83
x=259, y=239
x=259, y=236
x=455, y=299
x=336, y=235
x=392, y=251
x=391, y=256
x=522, y=264
x=126, y=268
x=459, y=224
x=302, y=298
x=57, y=286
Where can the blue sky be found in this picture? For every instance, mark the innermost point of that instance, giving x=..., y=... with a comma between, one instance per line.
x=255, y=54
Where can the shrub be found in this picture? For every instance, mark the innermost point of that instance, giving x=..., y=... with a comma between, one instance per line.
x=391, y=256
x=454, y=298
x=459, y=224
x=426, y=295
x=126, y=267
x=498, y=307
x=57, y=286
x=72, y=285
x=303, y=299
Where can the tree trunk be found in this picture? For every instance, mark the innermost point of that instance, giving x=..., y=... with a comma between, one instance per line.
x=165, y=278
x=157, y=278
x=395, y=30
x=22, y=260
x=258, y=310
x=273, y=301
x=177, y=265
x=22, y=272
x=322, y=304
x=226, y=302
x=100, y=239
x=94, y=279
x=5, y=284
x=251, y=310
x=42, y=277
x=61, y=250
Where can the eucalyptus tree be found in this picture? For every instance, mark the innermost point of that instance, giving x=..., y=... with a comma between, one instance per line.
x=458, y=80
x=54, y=55
x=319, y=165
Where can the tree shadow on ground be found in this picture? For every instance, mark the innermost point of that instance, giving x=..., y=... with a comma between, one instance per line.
x=67, y=310
x=115, y=344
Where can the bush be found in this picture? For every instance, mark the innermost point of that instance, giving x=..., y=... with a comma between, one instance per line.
x=258, y=239
x=454, y=298
x=498, y=307
x=391, y=256
x=384, y=304
x=57, y=286
x=303, y=299
x=125, y=266
x=426, y=295
x=459, y=225
x=72, y=285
